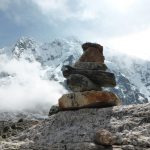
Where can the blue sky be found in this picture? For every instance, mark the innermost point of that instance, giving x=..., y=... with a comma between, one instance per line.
x=120, y=24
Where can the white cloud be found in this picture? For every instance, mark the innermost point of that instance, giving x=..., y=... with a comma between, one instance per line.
x=121, y=5
x=49, y=5
x=58, y=8
x=108, y=20
x=26, y=90
x=135, y=44
x=65, y=9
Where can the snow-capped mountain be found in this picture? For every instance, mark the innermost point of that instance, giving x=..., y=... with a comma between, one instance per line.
x=132, y=75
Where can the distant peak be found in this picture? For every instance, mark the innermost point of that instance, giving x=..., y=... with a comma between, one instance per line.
x=25, y=42
x=26, y=39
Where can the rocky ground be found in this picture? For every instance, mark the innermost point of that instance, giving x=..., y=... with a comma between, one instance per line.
x=76, y=130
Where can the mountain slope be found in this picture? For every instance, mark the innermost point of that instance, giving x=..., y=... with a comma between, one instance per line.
x=132, y=75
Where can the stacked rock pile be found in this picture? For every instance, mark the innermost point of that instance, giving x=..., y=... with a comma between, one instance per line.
x=86, y=79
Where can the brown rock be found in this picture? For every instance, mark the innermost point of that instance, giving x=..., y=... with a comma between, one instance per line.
x=99, y=77
x=88, y=99
x=92, y=54
x=90, y=66
x=80, y=83
x=85, y=46
x=104, y=137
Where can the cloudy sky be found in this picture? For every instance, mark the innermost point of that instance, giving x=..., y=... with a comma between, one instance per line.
x=120, y=24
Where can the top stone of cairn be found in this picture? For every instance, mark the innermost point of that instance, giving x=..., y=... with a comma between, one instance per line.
x=92, y=53
x=86, y=45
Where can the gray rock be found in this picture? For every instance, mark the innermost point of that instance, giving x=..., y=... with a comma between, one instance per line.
x=11, y=128
x=80, y=83
x=53, y=110
x=104, y=79
x=128, y=147
x=79, y=146
x=90, y=66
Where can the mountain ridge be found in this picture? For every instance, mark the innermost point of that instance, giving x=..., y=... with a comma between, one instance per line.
x=132, y=75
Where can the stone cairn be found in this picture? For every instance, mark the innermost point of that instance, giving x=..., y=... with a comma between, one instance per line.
x=86, y=79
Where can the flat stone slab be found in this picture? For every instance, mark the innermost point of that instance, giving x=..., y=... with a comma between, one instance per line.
x=80, y=83
x=99, y=77
x=88, y=99
x=90, y=66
